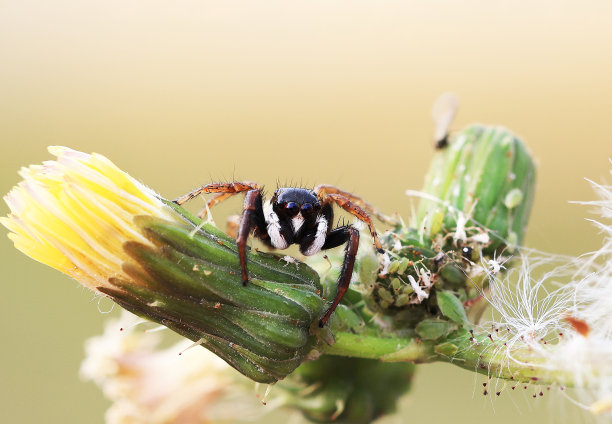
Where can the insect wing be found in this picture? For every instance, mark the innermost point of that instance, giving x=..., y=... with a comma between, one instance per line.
x=442, y=113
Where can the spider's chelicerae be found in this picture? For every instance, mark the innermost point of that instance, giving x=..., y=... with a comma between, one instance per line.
x=297, y=216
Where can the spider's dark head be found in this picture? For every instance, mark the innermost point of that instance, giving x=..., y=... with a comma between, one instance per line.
x=290, y=202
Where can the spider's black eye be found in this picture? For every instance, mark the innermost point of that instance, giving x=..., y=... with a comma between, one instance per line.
x=292, y=208
x=307, y=209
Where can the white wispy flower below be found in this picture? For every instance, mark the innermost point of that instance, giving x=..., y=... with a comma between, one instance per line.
x=152, y=385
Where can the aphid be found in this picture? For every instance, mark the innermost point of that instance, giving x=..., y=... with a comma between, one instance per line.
x=442, y=113
x=290, y=260
x=297, y=216
x=439, y=259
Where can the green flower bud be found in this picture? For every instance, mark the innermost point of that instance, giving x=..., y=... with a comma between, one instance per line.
x=347, y=390
x=487, y=176
x=85, y=217
x=190, y=284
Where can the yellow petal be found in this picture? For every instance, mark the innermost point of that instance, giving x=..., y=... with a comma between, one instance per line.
x=75, y=213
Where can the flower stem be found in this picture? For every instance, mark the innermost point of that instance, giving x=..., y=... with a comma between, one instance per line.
x=392, y=349
x=478, y=354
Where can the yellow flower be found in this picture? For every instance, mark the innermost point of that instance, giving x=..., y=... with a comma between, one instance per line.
x=85, y=217
x=75, y=213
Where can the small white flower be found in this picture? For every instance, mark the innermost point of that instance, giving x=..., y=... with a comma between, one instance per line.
x=425, y=277
x=397, y=245
x=151, y=385
x=460, y=234
x=386, y=261
x=421, y=294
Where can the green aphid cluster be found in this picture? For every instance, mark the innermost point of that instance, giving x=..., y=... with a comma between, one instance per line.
x=483, y=182
x=188, y=282
x=390, y=291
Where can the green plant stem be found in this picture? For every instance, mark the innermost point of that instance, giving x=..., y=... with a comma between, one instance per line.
x=478, y=355
x=384, y=348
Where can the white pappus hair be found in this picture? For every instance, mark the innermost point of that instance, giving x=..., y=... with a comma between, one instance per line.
x=560, y=308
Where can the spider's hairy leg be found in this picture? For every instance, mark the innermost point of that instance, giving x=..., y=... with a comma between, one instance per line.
x=326, y=189
x=225, y=188
x=335, y=238
x=252, y=216
x=217, y=198
x=355, y=210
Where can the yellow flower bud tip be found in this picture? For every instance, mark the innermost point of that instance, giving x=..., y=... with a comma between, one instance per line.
x=76, y=212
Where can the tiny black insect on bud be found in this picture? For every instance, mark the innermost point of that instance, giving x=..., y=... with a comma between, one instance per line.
x=466, y=252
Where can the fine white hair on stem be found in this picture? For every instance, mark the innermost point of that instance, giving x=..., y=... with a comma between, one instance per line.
x=557, y=308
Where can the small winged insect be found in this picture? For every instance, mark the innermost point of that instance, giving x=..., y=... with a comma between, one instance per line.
x=297, y=216
x=442, y=113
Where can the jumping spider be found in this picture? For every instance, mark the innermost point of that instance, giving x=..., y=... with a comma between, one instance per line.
x=297, y=216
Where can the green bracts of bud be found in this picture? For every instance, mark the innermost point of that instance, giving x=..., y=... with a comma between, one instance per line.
x=191, y=284
x=347, y=390
x=487, y=176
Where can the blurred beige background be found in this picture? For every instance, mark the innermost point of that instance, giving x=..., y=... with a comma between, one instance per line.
x=179, y=93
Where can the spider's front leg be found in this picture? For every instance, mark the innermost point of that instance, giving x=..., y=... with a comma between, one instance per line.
x=355, y=210
x=335, y=238
x=326, y=189
x=252, y=216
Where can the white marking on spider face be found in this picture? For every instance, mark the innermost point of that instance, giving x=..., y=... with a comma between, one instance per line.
x=273, y=227
x=297, y=222
x=320, y=237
